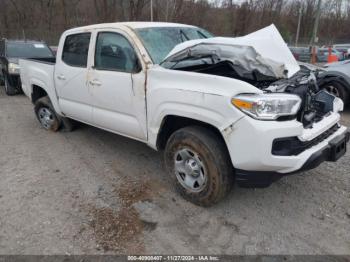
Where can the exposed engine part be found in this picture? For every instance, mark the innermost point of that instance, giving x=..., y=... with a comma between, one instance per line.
x=302, y=78
x=315, y=105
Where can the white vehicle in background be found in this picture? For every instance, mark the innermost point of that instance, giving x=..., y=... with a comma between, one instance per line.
x=344, y=48
x=340, y=85
x=333, y=78
x=222, y=109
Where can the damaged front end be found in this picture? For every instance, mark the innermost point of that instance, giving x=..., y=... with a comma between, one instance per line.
x=316, y=103
x=263, y=60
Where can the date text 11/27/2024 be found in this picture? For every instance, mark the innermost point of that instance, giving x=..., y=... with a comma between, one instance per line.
x=173, y=258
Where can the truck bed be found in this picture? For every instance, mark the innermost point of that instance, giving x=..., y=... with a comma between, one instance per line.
x=38, y=71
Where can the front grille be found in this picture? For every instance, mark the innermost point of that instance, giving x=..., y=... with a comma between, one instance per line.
x=292, y=146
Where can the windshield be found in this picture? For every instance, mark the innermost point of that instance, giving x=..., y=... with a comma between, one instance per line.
x=27, y=50
x=159, y=41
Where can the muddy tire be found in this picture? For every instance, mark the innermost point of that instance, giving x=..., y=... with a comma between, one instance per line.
x=199, y=165
x=46, y=114
x=338, y=90
x=9, y=89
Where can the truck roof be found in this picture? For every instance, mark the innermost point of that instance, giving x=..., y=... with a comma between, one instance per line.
x=132, y=25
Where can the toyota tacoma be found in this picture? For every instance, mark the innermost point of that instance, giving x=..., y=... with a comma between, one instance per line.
x=223, y=110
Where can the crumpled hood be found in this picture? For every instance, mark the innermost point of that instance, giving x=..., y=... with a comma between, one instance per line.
x=263, y=50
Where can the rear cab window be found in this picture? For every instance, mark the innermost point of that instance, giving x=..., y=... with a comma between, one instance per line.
x=76, y=49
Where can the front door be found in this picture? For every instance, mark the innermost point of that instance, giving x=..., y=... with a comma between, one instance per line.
x=117, y=85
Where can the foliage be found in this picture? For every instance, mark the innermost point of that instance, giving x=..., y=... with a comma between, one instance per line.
x=47, y=19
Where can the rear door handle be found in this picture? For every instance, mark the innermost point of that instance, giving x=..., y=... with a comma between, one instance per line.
x=95, y=82
x=61, y=77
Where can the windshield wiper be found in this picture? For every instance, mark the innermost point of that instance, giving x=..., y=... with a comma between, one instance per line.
x=203, y=35
x=182, y=33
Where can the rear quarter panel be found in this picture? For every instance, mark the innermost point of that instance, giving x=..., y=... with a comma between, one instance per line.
x=39, y=74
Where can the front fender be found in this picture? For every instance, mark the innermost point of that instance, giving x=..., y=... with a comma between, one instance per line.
x=201, y=97
x=215, y=110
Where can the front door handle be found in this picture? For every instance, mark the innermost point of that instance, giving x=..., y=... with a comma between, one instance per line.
x=61, y=77
x=95, y=82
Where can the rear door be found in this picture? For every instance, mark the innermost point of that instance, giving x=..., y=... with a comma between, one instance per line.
x=117, y=84
x=71, y=76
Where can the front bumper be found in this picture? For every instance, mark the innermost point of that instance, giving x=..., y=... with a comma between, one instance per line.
x=250, y=147
x=265, y=178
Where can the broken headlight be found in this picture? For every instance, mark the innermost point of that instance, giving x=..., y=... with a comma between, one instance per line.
x=267, y=106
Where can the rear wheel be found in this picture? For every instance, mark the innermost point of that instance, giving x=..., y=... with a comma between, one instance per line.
x=46, y=114
x=9, y=89
x=199, y=165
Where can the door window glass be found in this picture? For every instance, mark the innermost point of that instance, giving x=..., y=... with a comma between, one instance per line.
x=114, y=52
x=75, y=50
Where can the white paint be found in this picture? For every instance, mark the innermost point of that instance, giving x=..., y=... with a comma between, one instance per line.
x=134, y=105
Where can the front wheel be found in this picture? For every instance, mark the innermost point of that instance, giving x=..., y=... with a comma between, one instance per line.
x=199, y=165
x=46, y=114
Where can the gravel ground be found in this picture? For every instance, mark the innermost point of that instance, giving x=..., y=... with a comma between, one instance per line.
x=92, y=192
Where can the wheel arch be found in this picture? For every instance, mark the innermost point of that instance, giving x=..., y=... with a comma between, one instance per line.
x=39, y=90
x=172, y=123
x=37, y=93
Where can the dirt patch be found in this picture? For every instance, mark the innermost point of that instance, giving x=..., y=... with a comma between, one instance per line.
x=130, y=192
x=122, y=230
x=118, y=231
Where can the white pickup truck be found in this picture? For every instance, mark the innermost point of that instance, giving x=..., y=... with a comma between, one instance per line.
x=222, y=109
